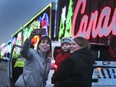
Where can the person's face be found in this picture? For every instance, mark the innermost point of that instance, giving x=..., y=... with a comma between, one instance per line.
x=65, y=47
x=74, y=47
x=44, y=46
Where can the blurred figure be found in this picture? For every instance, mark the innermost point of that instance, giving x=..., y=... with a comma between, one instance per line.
x=65, y=51
x=77, y=70
x=17, y=68
x=6, y=56
x=57, y=50
x=37, y=63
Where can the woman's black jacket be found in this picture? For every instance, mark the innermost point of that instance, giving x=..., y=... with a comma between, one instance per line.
x=75, y=71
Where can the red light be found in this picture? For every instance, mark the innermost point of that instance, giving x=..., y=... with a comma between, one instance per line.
x=43, y=23
x=54, y=66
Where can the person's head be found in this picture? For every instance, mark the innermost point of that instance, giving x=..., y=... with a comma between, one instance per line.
x=44, y=44
x=65, y=44
x=79, y=43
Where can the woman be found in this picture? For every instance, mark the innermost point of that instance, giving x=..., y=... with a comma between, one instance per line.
x=37, y=64
x=76, y=71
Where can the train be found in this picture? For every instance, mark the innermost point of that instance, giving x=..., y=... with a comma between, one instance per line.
x=94, y=20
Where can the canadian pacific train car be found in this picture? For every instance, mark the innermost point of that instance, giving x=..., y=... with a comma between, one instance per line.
x=94, y=20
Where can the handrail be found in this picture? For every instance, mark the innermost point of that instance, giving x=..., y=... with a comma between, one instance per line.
x=11, y=83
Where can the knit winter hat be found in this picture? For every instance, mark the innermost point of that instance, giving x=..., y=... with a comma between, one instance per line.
x=66, y=40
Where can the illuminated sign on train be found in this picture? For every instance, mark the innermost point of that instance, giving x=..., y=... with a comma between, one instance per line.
x=90, y=25
x=78, y=18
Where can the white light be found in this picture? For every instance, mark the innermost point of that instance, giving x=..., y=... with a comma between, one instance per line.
x=2, y=45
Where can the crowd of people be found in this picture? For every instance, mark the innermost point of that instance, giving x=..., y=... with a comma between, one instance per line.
x=74, y=63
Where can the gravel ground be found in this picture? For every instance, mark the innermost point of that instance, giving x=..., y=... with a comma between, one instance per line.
x=3, y=74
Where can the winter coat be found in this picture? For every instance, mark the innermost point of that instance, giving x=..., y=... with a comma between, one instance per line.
x=61, y=57
x=36, y=68
x=75, y=71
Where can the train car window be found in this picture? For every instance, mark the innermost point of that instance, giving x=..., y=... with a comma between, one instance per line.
x=101, y=52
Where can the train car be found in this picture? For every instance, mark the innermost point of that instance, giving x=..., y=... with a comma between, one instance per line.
x=94, y=20
x=42, y=20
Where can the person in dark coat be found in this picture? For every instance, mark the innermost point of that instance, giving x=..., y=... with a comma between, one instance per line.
x=77, y=70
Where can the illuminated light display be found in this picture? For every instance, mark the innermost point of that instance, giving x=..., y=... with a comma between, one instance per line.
x=13, y=40
x=26, y=33
x=17, y=39
x=35, y=24
x=97, y=23
x=62, y=21
x=101, y=28
x=5, y=50
x=69, y=20
x=93, y=20
x=35, y=40
x=44, y=21
x=41, y=20
x=2, y=45
x=66, y=20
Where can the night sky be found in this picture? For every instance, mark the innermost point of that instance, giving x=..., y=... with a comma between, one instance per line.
x=16, y=13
